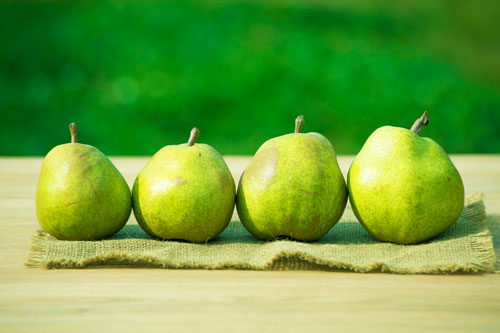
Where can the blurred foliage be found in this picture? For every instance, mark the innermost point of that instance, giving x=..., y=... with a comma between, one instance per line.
x=136, y=76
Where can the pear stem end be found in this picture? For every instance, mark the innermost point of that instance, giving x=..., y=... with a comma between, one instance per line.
x=72, y=130
x=193, y=136
x=299, y=123
x=420, y=123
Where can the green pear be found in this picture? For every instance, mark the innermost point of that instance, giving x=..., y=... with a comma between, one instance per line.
x=403, y=188
x=185, y=192
x=293, y=187
x=81, y=195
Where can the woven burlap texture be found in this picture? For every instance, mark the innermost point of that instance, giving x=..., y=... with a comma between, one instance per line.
x=467, y=247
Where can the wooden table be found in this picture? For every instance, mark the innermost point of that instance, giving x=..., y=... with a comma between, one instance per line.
x=159, y=299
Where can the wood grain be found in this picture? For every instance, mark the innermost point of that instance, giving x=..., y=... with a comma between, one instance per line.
x=185, y=300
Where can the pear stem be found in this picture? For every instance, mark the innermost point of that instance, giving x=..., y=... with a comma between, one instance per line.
x=193, y=136
x=299, y=123
x=420, y=123
x=72, y=130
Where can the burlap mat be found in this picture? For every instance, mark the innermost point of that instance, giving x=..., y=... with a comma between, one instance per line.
x=465, y=248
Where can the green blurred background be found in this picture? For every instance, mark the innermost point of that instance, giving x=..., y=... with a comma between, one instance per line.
x=136, y=76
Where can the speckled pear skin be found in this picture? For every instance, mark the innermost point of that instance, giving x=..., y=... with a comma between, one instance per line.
x=81, y=195
x=184, y=193
x=403, y=188
x=292, y=187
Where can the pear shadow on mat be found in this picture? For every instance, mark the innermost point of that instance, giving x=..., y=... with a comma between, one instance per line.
x=234, y=233
x=344, y=232
x=494, y=225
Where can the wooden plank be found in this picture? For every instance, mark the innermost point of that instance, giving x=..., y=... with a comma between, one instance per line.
x=156, y=299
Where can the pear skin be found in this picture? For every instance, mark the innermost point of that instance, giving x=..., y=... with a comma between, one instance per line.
x=403, y=188
x=293, y=187
x=81, y=195
x=185, y=192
